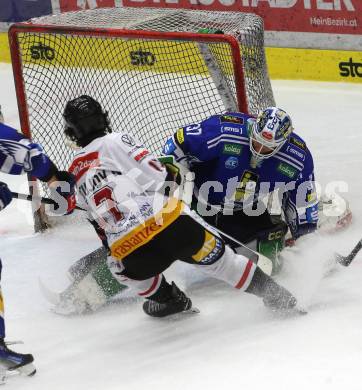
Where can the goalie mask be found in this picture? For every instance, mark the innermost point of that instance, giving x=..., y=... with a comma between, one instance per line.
x=269, y=132
x=84, y=120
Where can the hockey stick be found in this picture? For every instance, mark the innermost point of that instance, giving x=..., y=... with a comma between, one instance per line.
x=262, y=262
x=347, y=260
x=31, y=198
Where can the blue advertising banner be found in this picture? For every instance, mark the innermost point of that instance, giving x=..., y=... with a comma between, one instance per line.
x=20, y=10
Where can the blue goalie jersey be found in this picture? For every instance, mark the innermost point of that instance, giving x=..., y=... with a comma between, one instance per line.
x=226, y=173
x=19, y=155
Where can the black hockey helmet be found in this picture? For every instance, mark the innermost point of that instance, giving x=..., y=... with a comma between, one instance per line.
x=84, y=120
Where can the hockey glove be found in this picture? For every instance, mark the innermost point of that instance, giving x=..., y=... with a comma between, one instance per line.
x=5, y=195
x=181, y=175
x=63, y=193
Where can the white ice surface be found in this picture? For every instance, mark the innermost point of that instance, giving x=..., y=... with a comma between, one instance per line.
x=234, y=343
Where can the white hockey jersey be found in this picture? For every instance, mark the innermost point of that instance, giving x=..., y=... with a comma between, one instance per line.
x=121, y=185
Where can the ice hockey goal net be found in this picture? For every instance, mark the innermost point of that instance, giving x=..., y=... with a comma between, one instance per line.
x=153, y=70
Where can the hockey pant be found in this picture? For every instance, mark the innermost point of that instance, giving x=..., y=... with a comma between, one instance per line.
x=186, y=240
x=245, y=228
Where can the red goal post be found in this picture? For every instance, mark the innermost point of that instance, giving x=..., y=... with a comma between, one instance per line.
x=17, y=63
x=153, y=70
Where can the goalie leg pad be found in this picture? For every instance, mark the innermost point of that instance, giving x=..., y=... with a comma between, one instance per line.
x=104, y=278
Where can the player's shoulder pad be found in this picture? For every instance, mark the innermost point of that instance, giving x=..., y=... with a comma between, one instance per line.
x=193, y=135
x=296, y=141
x=229, y=123
x=238, y=118
x=295, y=154
x=125, y=140
x=296, y=148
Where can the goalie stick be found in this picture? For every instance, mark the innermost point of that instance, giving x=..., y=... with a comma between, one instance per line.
x=263, y=262
x=343, y=260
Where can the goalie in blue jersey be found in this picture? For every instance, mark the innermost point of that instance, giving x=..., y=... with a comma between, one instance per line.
x=238, y=160
x=19, y=155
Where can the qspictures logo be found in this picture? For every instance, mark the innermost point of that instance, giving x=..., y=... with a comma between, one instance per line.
x=350, y=68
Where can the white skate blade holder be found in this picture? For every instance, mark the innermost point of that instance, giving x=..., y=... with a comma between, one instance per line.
x=6, y=373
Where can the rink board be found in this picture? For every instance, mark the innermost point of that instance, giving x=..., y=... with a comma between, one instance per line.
x=123, y=54
x=289, y=63
x=319, y=65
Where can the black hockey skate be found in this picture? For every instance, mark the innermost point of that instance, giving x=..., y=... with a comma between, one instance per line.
x=13, y=361
x=176, y=302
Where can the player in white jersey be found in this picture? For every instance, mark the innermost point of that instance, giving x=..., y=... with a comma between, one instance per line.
x=19, y=155
x=132, y=197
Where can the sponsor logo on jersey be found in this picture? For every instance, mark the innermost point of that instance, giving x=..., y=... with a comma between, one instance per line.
x=169, y=147
x=146, y=231
x=128, y=140
x=312, y=214
x=298, y=143
x=40, y=51
x=228, y=129
x=233, y=149
x=231, y=163
x=141, y=57
x=136, y=147
x=231, y=119
x=287, y=170
x=350, y=68
x=180, y=136
x=140, y=156
x=211, y=250
x=296, y=152
x=312, y=197
x=246, y=186
x=81, y=164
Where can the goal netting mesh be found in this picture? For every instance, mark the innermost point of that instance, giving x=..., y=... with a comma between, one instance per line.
x=153, y=70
